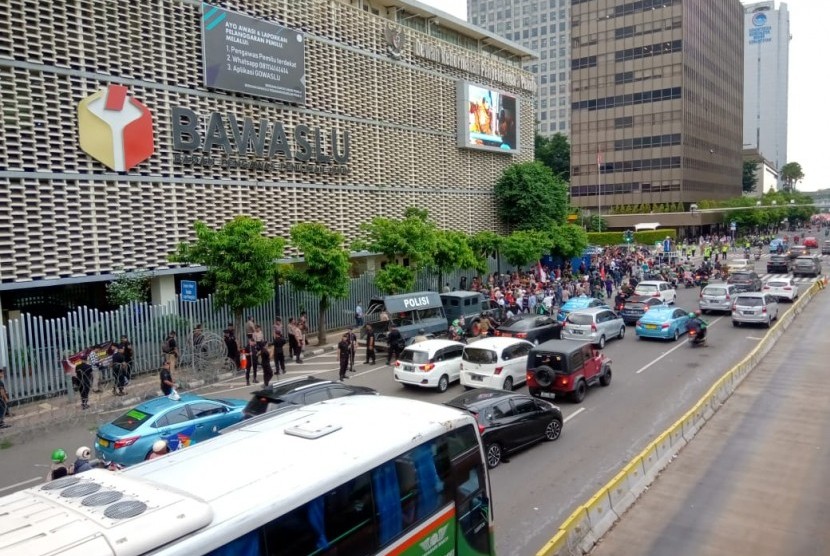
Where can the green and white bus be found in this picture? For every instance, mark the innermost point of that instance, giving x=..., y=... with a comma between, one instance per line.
x=359, y=475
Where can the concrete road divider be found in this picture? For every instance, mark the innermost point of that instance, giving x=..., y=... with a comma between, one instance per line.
x=591, y=520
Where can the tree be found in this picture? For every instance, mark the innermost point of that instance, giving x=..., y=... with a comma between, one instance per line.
x=412, y=238
x=241, y=262
x=525, y=246
x=129, y=288
x=597, y=224
x=555, y=153
x=326, y=269
x=750, y=176
x=791, y=173
x=452, y=251
x=530, y=197
x=569, y=241
x=395, y=278
x=486, y=244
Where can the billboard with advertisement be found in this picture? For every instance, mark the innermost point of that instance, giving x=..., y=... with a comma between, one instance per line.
x=487, y=119
x=252, y=56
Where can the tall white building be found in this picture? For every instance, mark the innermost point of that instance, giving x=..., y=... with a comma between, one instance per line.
x=766, y=78
x=542, y=26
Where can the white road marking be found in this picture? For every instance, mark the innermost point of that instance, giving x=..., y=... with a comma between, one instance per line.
x=574, y=414
x=680, y=345
x=753, y=338
x=21, y=483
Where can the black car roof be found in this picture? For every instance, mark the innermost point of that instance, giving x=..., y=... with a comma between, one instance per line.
x=479, y=397
x=558, y=346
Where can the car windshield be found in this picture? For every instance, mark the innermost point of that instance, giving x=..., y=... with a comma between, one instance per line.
x=517, y=323
x=581, y=319
x=750, y=302
x=646, y=288
x=741, y=276
x=714, y=291
x=414, y=356
x=479, y=355
x=131, y=420
x=777, y=284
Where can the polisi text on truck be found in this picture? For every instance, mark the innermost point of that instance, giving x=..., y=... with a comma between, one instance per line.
x=414, y=302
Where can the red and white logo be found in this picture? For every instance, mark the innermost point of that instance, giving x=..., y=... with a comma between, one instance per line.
x=115, y=129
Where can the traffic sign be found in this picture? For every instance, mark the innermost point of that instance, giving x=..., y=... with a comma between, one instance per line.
x=188, y=290
x=733, y=226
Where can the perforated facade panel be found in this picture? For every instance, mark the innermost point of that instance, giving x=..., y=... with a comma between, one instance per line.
x=64, y=214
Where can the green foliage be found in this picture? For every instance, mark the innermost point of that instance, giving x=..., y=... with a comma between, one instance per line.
x=240, y=260
x=791, y=173
x=596, y=223
x=452, y=251
x=605, y=239
x=394, y=279
x=415, y=212
x=525, y=246
x=129, y=288
x=648, y=237
x=749, y=180
x=555, y=153
x=412, y=237
x=326, y=269
x=485, y=243
x=567, y=240
x=530, y=197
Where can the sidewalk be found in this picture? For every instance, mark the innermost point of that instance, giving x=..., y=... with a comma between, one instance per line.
x=47, y=414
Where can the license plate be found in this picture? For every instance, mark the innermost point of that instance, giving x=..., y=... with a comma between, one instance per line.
x=477, y=378
x=651, y=326
x=507, y=334
x=747, y=312
x=577, y=331
x=408, y=368
x=550, y=395
x=103, y=443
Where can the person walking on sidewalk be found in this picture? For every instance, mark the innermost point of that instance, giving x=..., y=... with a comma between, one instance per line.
x=83, y=371
x=352, y=347
x=279, y=354
x=4, y=400
x=265, y=361
x=166, y=378
x=170, y=348
x=343, y=351
x=370, y=345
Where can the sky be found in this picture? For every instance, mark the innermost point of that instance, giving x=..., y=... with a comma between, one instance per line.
x=808, y=127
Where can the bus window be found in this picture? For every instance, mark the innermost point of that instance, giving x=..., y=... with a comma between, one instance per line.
x=472, y=505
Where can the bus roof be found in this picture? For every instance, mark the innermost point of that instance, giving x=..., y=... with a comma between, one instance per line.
x=279, y=463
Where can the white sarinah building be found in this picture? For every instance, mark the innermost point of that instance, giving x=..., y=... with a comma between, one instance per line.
x=766, y=77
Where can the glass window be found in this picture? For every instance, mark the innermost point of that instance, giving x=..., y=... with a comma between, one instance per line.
x=175, y=416
x=339, y=392
x=417, y=357
x=479, y=355
x=319, y=395
x=524, y=406
x=206, y=409
x=501, y=410
x=131, y=420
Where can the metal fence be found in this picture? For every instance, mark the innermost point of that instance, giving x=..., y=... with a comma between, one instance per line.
x=32, y=348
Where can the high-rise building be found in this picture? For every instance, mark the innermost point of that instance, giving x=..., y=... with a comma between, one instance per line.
x=766, y=75
x=542, y=26
x=656, y=101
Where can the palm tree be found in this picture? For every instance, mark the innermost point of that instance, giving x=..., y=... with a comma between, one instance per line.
x=791, y=173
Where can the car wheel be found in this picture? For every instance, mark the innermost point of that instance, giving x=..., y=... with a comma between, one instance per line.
x=443, y=383
x=622, y=332
x=553, y=430
x=605, y=379
x=493, y=452
x=676, y=335
x=769, y=321
x=508, y=384
x=705, y=311
x=601, y=342
x=735, y=323
x=468, y=387
x=579, y=392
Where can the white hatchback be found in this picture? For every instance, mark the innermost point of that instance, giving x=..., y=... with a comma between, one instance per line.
x=657, y=288
x=430, y=364
x=782, y=288
x=498, y=363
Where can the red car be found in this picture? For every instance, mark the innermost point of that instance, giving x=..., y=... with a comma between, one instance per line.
x=811, y=242
x=566, y=368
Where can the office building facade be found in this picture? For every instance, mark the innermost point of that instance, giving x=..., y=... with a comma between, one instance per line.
x=766, y=80
x=544, y=27
x=125, y=122
x=656, y=102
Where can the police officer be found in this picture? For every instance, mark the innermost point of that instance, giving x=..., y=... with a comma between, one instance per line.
x=370, y=344
x=343, y=351
x=84, y=372
x=395, y=341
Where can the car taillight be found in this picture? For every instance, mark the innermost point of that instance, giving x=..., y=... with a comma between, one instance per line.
x=397, y=363
x=664, y=325
x=498, y=332
x=480, y=429
x=426, y=368
x=655, y=294
x=593, y=327
x=763, y=309
x=124, y=442
x=766, y=287
x=646, y=308
x=521, y=335
x=499, y=370
x=563, y=381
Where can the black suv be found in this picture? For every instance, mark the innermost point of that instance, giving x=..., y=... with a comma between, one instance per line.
x=745, y=281
x=636, y=306
x=299, y=391
x=778, y=264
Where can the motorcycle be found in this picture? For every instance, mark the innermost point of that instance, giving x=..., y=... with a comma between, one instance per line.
x=696, y=337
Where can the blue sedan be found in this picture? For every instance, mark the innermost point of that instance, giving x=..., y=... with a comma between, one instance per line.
x=668, y=323
x=578, y=303
x=129, y=438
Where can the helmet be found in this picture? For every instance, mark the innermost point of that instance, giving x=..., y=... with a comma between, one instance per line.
x=159, y=446
x=83, y=453
x=455, y=322
x=59, y=456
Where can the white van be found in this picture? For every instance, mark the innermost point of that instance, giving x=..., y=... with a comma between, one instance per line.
x=430, y=364
x=495, y=363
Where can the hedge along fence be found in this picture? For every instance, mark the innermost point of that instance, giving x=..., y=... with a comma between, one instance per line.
x=649, y=237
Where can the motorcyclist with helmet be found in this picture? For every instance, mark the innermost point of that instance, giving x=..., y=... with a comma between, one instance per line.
x=83, y=455
x=58, y=468
x=698, y=325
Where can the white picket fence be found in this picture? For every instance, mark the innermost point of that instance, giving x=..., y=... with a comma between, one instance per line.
x=32, y=348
